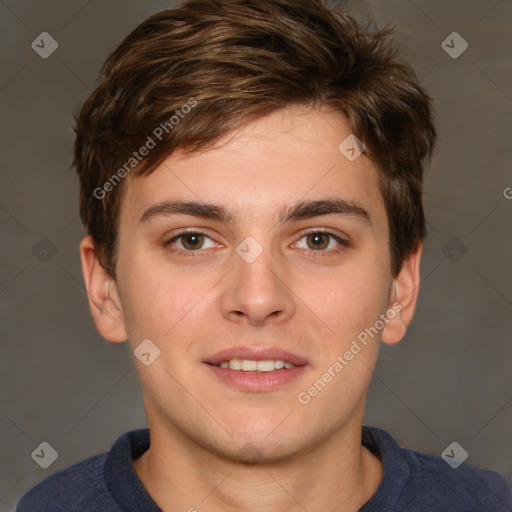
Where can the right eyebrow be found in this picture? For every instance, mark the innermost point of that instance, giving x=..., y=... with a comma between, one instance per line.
x=296, y=211
x=193, y=208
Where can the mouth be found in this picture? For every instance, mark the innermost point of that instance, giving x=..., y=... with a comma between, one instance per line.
x=256, y=370
x=252, y=365
x=249, y=359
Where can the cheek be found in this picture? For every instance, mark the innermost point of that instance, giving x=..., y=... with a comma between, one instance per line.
x=158, y=300
x=351, y=305
x=350, y=300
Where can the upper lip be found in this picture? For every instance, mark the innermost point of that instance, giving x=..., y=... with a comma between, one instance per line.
x=256, y=354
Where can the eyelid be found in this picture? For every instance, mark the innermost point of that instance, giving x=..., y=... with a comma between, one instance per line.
x=327, y=231
x=342, y=240
x=168, y=239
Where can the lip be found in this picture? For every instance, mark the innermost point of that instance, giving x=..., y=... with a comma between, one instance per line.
x=254, y=381
x=255, y=354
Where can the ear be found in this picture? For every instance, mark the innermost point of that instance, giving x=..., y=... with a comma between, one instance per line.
x=103, y=295
x=403, y=299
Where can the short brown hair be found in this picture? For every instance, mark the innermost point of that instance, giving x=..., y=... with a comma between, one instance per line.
x=230, y=62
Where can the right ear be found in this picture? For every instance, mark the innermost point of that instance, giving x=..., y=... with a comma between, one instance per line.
x=103, y=295
x=405, y=296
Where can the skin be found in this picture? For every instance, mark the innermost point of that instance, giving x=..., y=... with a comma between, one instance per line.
x=309, y=301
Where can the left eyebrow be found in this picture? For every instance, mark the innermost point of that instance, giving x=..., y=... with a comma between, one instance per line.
x=309, y=209
x=193, y=208
x=297, y=211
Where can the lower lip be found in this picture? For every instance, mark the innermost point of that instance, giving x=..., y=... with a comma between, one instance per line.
x=254, y=381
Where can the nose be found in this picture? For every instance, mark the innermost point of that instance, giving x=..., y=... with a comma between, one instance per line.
x=258, y=292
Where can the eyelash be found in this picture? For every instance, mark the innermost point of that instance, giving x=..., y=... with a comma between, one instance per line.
x=315, y=254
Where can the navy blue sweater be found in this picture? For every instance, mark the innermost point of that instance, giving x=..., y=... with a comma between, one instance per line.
x=412, y=482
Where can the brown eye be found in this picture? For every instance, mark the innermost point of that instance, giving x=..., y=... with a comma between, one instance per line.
x=317, y=241
x=322, y=243
x=191, y=241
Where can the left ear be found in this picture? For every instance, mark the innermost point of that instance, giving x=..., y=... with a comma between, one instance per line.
x=403, y=298
x=104, y=300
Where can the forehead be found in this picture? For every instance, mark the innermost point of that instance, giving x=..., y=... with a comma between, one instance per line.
x=290, y=155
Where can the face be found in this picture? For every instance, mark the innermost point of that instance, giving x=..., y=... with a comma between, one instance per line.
x=285, y=261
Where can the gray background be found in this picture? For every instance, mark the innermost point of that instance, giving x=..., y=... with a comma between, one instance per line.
x=450, y=379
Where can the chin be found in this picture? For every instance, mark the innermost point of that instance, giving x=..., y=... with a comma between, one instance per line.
x=265, y=445
x=253, y=452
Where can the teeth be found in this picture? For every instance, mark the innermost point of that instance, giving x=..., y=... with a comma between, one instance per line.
x=266, y=366
x=235, y=364
x=248, y=365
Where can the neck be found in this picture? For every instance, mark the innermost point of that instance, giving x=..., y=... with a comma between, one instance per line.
x=337, y=474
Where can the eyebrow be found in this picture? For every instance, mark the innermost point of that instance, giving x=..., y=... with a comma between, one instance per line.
x=297, y=211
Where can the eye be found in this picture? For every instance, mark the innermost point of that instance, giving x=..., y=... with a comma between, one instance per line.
x=189, y=242
x=320, y=241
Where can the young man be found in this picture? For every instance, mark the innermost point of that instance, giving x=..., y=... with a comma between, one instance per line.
x=251, y=178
